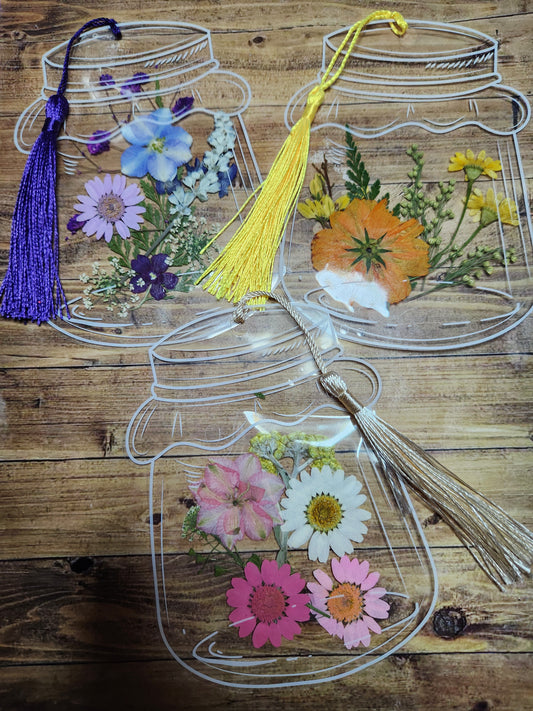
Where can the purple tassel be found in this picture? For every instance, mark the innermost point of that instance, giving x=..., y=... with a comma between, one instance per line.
x=31, y=289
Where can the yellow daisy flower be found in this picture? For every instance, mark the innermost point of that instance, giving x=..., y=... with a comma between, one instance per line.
x=488, y=208
x=323, y=208
x=474, y=167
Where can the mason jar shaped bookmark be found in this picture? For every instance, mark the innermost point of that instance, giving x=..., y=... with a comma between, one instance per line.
x=154, y=155
x=413, y=229
x=280, y=555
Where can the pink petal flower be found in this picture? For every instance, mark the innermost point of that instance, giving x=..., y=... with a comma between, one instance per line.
x=362, y=572
x=361, y=602
x=253, y=574
x=323, y=579
x=244, y=496
x=262, y=606
x=377, y=608
x=260, y=635
x=269, y=571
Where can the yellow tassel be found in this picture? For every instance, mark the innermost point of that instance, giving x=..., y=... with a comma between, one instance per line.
x=247, y=262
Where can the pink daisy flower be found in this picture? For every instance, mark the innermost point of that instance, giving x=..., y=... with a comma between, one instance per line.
x=238, y=498
x=108, y=206
x=352, y=605
x=268, y=603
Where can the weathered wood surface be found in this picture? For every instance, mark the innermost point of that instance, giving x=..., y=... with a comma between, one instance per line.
x=77, y=612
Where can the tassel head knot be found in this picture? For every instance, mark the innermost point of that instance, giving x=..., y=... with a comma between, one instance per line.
x=335, y=386
x=398, y=25
x=56, y=112
x=314, y=101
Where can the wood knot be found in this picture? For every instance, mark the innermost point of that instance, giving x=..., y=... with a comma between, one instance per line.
x=81, y=565
x=449, y=622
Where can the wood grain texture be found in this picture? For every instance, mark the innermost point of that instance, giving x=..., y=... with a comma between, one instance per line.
x=78, y=630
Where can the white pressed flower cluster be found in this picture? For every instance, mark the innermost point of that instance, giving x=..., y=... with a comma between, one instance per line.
x=204, y=179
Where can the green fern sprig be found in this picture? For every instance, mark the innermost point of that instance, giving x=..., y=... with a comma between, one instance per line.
x=358, y=183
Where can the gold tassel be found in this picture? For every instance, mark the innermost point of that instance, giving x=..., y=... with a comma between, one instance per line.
x=247, y=262
x=501, y=546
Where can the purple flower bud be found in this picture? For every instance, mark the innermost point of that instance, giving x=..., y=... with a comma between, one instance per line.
x=74, y=225
x=133, y=85
x=106, y=80
x=182, y=105
x=99, y=143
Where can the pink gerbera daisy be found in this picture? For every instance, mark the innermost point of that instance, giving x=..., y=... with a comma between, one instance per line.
x=108, y=206
x=353, y=605
x=268, y=603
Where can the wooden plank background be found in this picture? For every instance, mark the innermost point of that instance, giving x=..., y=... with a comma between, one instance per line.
x=77, y=613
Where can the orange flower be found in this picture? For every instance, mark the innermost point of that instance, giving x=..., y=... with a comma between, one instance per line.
x=367, y=238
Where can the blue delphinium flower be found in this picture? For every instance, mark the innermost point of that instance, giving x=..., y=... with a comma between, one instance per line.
x=151, y=273
x=213, y=174
x=158, y=147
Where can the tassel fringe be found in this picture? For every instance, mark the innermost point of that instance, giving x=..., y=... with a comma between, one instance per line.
x=501, y=546
x=247, y=262
x=31, y=288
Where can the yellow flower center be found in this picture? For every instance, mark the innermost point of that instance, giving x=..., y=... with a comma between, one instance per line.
x=345, y=602
x=324, y=513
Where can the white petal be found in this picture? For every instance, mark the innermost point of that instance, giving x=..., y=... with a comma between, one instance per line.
x=339, y=543
x=351, y=288
x=300, y=536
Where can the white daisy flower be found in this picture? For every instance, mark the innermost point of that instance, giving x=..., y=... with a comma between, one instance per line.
x=323, y=507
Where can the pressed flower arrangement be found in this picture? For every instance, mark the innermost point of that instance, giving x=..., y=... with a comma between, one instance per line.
x=146, y=213
x=373, y=252
x=291, y=487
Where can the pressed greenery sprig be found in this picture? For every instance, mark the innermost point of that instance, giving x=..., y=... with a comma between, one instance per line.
x=357, y=182
x=190, y=531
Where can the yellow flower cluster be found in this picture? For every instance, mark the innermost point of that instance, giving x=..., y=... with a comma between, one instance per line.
x=322, y=206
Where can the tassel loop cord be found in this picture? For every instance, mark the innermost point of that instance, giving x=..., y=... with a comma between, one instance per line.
x=501, y=546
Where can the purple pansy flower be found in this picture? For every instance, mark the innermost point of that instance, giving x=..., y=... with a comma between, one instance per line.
x=182, y=105
x=133, y=85
x=98, y=143
x=151, y=272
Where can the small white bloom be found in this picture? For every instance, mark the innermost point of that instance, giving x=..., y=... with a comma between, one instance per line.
x=323, y=507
